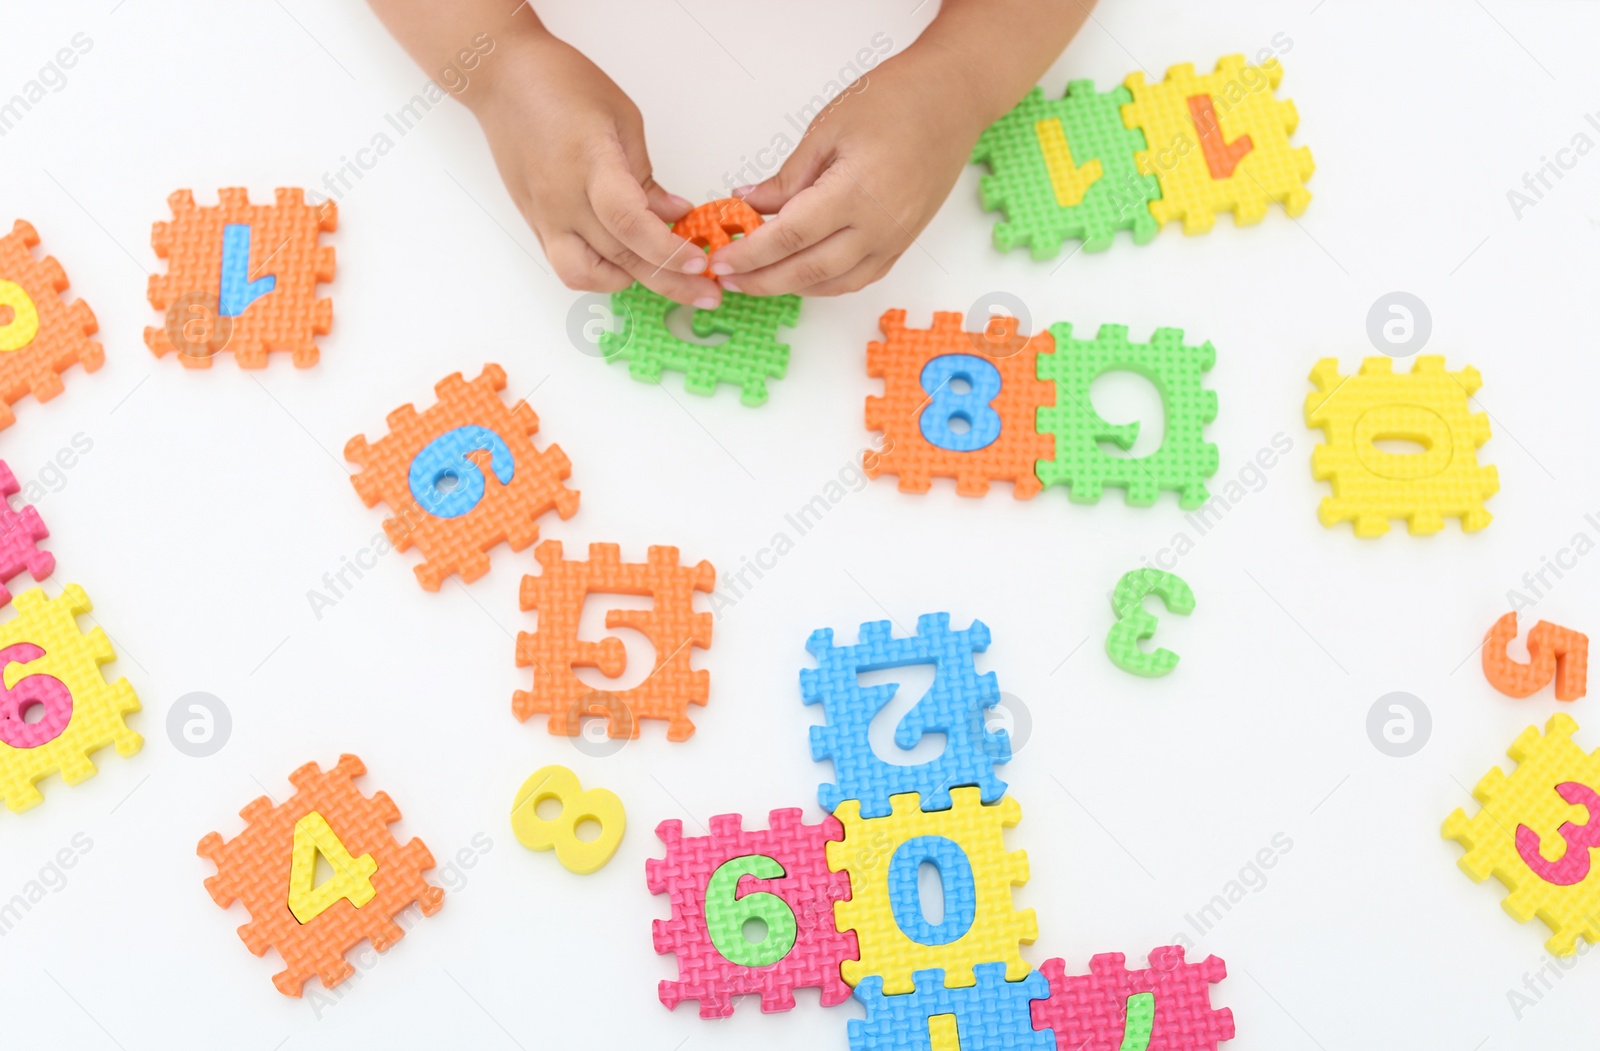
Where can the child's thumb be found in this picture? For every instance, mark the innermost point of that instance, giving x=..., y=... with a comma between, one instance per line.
x=797, y=173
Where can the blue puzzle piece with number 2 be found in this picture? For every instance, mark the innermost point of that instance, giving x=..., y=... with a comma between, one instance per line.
x=953, y=706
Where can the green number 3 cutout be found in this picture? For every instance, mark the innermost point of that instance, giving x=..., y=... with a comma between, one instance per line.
x=1134, y=624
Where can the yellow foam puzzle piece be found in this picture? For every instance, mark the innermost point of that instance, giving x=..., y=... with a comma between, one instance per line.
x=1242, y=104
x=73, y=659
x=1427, y=406
x=1528, y=798
x=997, y=931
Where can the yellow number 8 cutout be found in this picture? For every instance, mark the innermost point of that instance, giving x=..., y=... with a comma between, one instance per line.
x=560, y=833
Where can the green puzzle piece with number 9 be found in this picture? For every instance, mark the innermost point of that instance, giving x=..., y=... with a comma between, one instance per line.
x=749, y=355
x=1135, y=624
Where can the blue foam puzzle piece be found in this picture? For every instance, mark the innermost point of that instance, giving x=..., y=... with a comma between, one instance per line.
x=993, y=1015
x=953, y=706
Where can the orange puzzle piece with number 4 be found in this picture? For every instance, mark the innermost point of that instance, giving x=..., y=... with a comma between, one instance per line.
x=271, y=867
x=1554, y=653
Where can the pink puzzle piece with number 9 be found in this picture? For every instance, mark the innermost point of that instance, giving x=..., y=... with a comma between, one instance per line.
x=716, y=882
x=20, y=532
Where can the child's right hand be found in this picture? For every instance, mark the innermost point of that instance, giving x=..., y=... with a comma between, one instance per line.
x=570, y=147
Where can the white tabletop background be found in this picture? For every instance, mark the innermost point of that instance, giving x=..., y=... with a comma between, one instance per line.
x=210, y=503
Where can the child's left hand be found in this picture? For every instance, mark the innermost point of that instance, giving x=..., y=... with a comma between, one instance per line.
x=871, y=171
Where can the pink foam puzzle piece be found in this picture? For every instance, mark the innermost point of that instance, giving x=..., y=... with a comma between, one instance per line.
x=1089, y=1012
x=20, y=533
x=807, y=887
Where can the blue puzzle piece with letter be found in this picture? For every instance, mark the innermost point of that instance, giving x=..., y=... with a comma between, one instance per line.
x=993, y=1015
x=954, y=706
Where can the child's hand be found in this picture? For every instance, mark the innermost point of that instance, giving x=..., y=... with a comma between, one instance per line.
x=877, y=162
x=570, y=147
x=871, y=171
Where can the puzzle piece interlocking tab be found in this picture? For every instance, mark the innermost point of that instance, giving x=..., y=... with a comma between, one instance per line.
x=1427, y=406
x=989, y=1012
x=242, y=277
x=671, y=624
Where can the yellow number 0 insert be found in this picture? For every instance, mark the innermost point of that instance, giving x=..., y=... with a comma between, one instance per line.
x=352, y=877
x=560, y=833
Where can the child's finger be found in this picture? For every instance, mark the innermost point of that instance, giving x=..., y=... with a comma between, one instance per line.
x=623, y=208
x=669, y=206
x=797, y=173
x=808, y=218
x=863, y=274
x=678, y=287
x=581, y=268
x=836, y=254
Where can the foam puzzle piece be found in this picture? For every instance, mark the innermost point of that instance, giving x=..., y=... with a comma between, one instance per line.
x=20, y=533
x=917, y=367
x=870, y=853
x=714, y=224
x=216, y=293
x=46, y=662
x=254, y=867
x=1554, y=653
x=798, y=891
x=671, y=624
x=1134, y=624
x=1219, y=142
x=748, y=356
x=455, y=540
x=1177, y=370
x=989, y=1014
x=1102, y=1010
x=953, y=706
x=560, y=833
x=1427, y=406
x=41, y=335
x=1535, y=833
x=1064, y=168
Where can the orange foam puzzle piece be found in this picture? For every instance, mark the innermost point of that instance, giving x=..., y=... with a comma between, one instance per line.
x=900, y=359
x=282, y=246
x=671, y=624
x=41, y=335
x=255, y=866
x=507, y=510
x=1554, y=653
x=712, y=225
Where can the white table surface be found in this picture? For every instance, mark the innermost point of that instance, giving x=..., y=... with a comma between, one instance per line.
x=211, y=502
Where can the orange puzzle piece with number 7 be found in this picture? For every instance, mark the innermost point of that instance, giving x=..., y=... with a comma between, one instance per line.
x=1554, y=653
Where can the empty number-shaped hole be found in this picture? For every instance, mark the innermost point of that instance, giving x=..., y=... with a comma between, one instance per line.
x=1121, y=398
x=680, y=322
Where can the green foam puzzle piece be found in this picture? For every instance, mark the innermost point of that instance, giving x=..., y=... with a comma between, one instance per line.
x=1019, y=184
x=749, y=355
x=1135, y=623
x=1183, y=461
